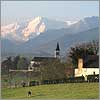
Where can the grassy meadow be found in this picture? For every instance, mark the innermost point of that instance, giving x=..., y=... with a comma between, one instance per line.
x=57, y=91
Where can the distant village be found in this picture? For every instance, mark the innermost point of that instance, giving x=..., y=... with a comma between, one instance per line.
x=83, y=66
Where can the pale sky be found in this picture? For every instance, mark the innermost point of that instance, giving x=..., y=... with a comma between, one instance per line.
x=12, y=11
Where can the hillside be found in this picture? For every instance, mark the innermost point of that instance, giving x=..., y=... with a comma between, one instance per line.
x=67, y=41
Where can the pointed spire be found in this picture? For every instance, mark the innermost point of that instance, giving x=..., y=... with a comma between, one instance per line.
x=57, y=48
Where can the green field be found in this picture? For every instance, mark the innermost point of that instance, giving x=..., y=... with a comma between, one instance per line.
x=70, y=90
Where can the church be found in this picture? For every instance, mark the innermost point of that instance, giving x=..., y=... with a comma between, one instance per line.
x=36, y=62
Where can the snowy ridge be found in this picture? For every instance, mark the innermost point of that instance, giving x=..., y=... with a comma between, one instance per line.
x=71, y=22
x=23, y=32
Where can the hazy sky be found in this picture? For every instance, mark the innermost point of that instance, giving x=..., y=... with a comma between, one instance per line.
x=12, y=11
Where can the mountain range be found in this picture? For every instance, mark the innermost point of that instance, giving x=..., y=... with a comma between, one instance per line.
x=39, y=35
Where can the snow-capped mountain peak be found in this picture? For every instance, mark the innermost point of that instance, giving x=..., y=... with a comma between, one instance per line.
x=31, y=29
x=23, y=31
x=8, y=29
x=71, y=22
x=34, y=26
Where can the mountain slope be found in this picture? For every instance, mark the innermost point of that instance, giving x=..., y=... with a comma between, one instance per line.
x=20, y=32
x=67, y=41
x=44, y=43
x=85, y=24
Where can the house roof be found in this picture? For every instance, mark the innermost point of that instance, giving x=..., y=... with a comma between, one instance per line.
x=91, y=61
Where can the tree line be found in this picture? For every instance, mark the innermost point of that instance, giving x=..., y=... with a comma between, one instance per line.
x=15, y=63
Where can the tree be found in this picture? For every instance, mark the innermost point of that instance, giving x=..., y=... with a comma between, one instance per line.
x=83, y=50
x=22, y=63
x=95, y=46
x=6, y=65
x=15, y=61
x=53, y=70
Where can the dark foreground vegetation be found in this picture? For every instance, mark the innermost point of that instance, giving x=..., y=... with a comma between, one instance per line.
x=90, y=78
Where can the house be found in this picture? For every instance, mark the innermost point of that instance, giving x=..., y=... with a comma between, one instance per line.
x=90, y=66
x=91, y=61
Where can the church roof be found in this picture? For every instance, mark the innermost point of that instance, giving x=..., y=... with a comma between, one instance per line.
x=43, y=58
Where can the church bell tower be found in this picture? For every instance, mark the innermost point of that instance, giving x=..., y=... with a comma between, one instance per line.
x=57, y=51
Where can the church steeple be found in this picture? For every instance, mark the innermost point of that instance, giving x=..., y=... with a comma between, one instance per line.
x=57, y=48
x=57, y=51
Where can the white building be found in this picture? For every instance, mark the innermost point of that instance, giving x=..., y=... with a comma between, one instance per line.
x=80, y=71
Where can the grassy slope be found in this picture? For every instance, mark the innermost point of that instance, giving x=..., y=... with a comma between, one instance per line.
x=72, y=90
